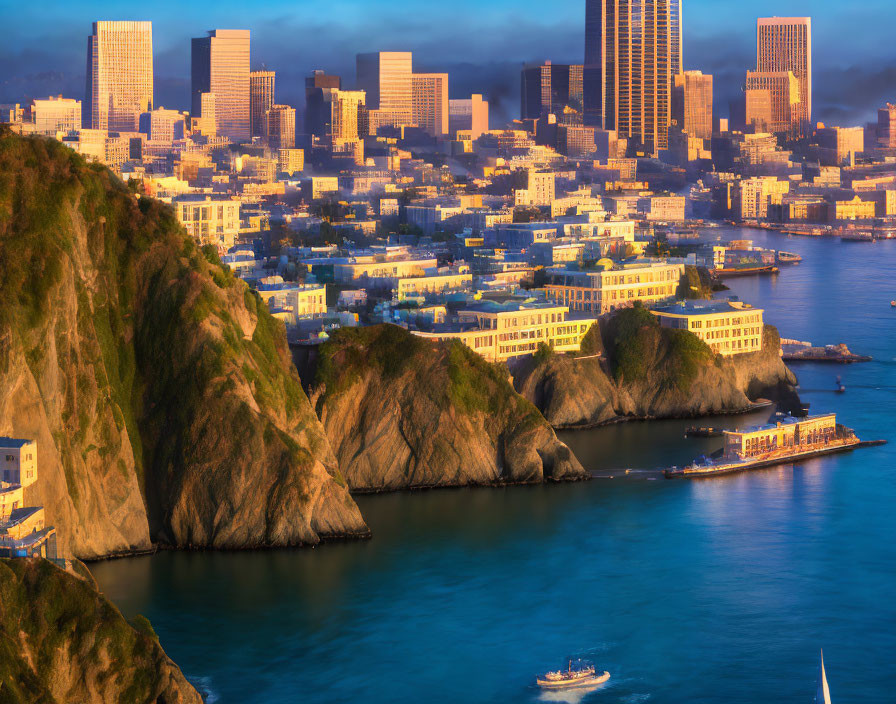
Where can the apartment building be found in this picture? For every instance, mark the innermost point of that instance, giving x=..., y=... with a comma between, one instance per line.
x=210, y=219
x=728, y=327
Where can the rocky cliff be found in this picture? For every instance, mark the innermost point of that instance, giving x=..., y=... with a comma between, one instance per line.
x=159, y=390
x=631, y=367
x=404, y=412
x=62, y=641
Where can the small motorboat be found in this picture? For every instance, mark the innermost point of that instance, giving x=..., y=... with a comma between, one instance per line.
x=582, y=675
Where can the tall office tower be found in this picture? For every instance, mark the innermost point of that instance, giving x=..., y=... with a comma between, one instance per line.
x=317, y=114
x=280, y=126
x=468, y=114
x=784, y=91
x=633, y=48
x=56, y=114
x=886, y=127
x=429, y=102
x=345, y=112
x=220, y=65
x=757, y=110
x=549, y=88
x=261, y=98
x=692, y=103
x=785, y=44
x=385, y=77
x=119, y=75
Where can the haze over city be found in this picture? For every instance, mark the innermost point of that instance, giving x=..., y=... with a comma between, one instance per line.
x=481, y=46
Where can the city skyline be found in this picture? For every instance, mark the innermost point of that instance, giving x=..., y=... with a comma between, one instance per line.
x=852, y=74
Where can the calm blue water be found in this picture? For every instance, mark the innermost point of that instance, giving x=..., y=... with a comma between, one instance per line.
x=716, y=590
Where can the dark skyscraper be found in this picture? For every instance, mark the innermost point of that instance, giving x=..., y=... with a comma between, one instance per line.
x=317, y=110
x=633, y=49
x=549, y=88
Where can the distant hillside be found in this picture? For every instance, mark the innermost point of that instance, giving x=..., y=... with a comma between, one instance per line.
x=404, y=412
x=62, y=642
x=159, y=389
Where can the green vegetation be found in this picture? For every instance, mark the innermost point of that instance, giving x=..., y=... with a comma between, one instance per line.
x=696, y=283
x=641, y=351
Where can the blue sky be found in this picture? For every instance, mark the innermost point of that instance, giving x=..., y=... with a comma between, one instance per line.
x=482, y=45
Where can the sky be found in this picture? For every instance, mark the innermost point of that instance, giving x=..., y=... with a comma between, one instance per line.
x=481, y=45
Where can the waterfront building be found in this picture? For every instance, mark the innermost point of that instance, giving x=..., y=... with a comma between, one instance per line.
x=468, y=114
x=317, y=113
x=220, y=65
x=430, y=102
x=56, y=114
x=633, y=48
x=783, y=89
x=261, y=99
x=603, y=289
x=785, y=44
x=23, y=529
x=119, y=75
x=500, y=332
x=386, y=79
x=854, y=209
x=692, y=103
x=754, y=195
x=790, y=434
x=161, y=125
x=549, y=88
x=727, y=327
x=280, y=126
x=210, y=219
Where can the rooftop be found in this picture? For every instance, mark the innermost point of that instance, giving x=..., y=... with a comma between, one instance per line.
x=6, y=443
x=700, y=307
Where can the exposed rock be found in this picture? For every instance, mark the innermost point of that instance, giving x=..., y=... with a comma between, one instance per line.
x=403, y=412
x=630, y=367
x=61, y=641
x=159, y=389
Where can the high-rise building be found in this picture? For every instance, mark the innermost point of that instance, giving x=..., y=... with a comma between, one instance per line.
x=692, y=103
x=549, y=88
x=429, y=100
x=345, y=111
x=119, y=75
x=784, y=91
x=280, y=126
x=220, y=65
x=385, y=77
x=317, y=115
x=785, y=44
x=757, y=110
x=162, y=125
x=261, y=99
x=886, y=127
x=56, y=114
x=468, y=114
x=633, y=48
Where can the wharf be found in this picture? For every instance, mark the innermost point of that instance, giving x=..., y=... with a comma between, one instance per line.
x=732, y=467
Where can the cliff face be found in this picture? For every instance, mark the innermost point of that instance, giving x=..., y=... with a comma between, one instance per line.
x=61, y=641
x=159, y=390
x=403, y=412
x=644, y=370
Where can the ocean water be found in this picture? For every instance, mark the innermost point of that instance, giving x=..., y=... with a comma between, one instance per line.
x=713, y=590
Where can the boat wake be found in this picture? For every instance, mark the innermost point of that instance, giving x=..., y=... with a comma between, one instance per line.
x=572, y=696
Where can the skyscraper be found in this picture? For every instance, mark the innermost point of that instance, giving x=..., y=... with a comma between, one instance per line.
x=261, y=98
x=429, y=102
x=468, y=114
x=220, y=65
x=692, y=103
x=119, y=75
x=784, y=100
x=633, y=48
x=385, y=77
x=317, y=113
x=280, y=126
x=785, y=44
x=548, y=88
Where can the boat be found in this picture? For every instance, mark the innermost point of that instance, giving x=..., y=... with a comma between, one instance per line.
x=583, y=675
x=700, y=432
x=788, y=258
x=823, y=694
x=746, y=270
x=857, y=236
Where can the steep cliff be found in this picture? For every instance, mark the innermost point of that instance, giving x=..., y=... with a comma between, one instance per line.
x=631, y=367
x=62, y=641
x=159, y=390
x=403, y=412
